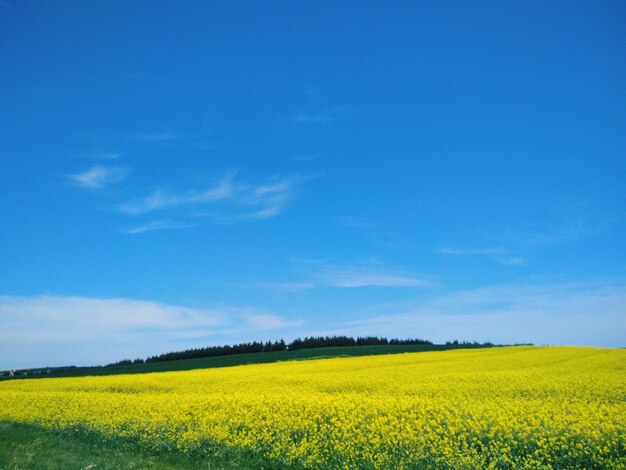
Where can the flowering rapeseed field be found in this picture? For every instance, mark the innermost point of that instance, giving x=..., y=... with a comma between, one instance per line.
x=522, y=407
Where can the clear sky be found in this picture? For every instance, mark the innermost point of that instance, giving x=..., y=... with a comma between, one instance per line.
x=181, y=174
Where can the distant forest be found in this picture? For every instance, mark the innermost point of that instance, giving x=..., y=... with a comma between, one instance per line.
x=280, y=345
x=311, y=342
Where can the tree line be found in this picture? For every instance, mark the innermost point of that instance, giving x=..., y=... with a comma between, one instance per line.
x=226, y=350
x=334, y=341
x=280, y=345
x=309, y=342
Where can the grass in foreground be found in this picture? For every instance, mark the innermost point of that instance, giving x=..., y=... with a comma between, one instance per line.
x=28, y=447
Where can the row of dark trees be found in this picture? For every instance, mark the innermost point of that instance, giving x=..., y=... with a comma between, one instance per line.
x=253, y=347
x=309, y=342
x=467, y=343
x=125, y=362
x=333, y=341
x=280, y=345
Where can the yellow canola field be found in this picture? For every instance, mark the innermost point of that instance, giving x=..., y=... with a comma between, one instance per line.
x=521, y=407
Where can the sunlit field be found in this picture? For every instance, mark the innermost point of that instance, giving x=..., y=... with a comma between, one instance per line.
x=514, y=407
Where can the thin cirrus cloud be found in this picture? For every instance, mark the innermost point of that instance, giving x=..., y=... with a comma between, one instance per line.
x=499, y=255
x=510, y=260
x=355, y=277
x=230, y=200
x=526, y=241
x=98, y=177
x=161, y=200
x=474, y=251
x=156, y=225
x=100, y=330
x=376, y=234
x=315, y=118
x=349, y=276
x=170, y=137
x=163, y=136
x=106, y=156
x=99, y=155
x=566, y=234
x=587, y=313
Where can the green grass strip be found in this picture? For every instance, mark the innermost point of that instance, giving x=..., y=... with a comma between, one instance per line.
x=26, y=447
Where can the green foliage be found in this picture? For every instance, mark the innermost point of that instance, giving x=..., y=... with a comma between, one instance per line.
x=137, y=367
x=30, y=447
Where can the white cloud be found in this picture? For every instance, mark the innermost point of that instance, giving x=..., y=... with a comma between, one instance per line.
x=230, y=200
x=578, y=314
x=223, y=190
x=164, y=136
x=55, y=330
x=286, y=286
x=172, y=137
x=511, y=260
x=156, y=200
x=375, y=233
x=348, y=275
x=99, y=155
x=356, y=278
x=315, y=118
x=499, y=255
x=365, y=274
x=474, y=251
x=567, y=234
x=156, y=225
x=98, y=177
x=104, y=155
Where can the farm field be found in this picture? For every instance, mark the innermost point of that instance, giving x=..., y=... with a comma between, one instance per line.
x=514, y=407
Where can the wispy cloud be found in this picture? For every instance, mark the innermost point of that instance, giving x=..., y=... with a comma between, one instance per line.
x=511, y=260
x=229, y=200
x=474, y=251
x=149, y=78
x=58, y=330
x=157, y=225
x=98, y=177
x=498, y=255
x=584, y=313
x=173, y=137
x=568, y=234
x=348, y=275
x=160, y=199
x=307, y=157
x=368, y=274
x=375, y=233
x=156, y=200
x=315, y=118
x=363, y=279
x=162, y=136
x=286, y=286
x=106, y=156
x=520, y=243
x=99, y=155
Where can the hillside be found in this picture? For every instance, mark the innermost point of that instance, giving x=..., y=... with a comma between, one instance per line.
x=241, y=359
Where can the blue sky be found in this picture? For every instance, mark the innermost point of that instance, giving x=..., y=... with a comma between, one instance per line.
x=178, y=174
